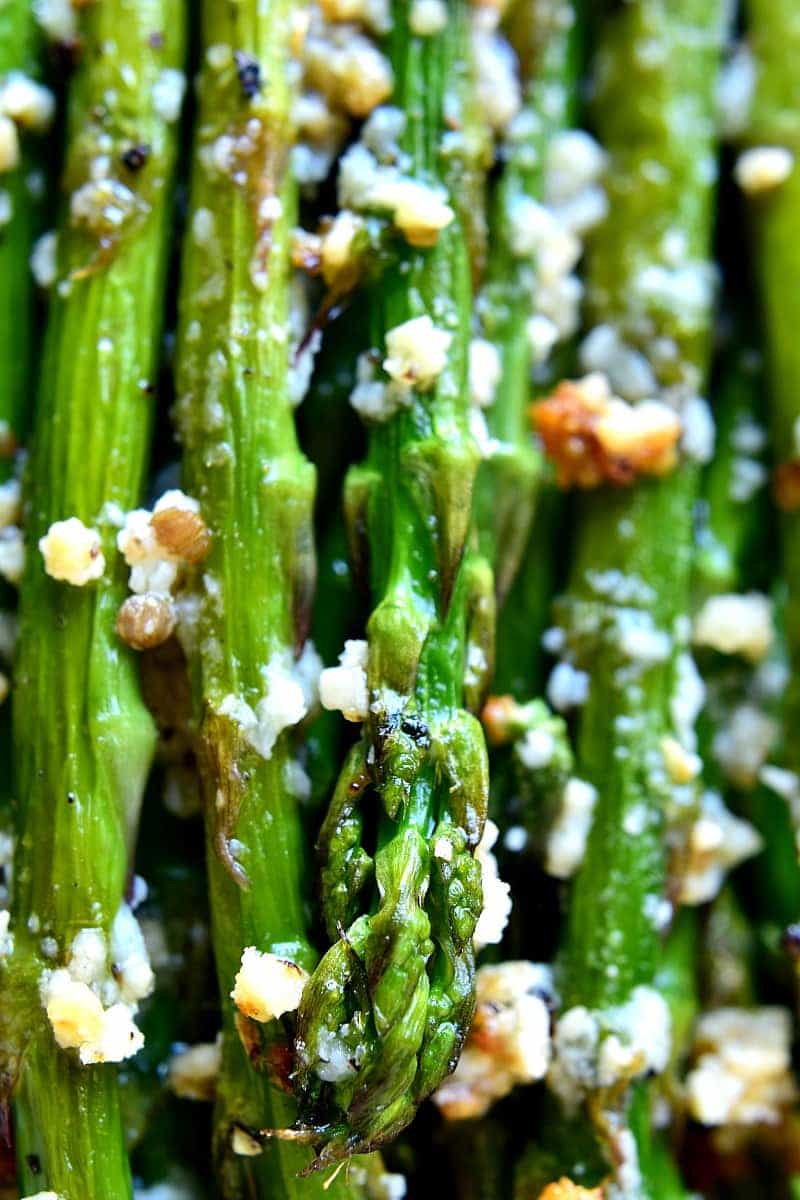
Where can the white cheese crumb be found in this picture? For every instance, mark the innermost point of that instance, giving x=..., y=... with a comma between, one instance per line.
x=699, y=430
x=628, y=371
x=534, y=232
x=88, y=956
x=168, y=92
x=542, y=337
x=282, y=706
x=687, y=700
x=133, y=973
x=427, y=17
x=747, y=477
x=345, y=687
x=497, y=80
x=419, y=211
x=9, y=144
x=57, y=18
x=267, y=986
x=509, y=1042
x=605, y=1047
x=568, y=835
x=496, y=893
x=374, y=399
x=80, y=1022
x=485, y=372
x=27, y=102
x=194, y=1070
x=743, y=1069
x=763, y=168
x=72, y=552
x=718, y=842
x=567, y=687
x=536, y=749
x=416, y=352
x=44, y=1196
x=736, y=624
x=741, y=745
x=44, y=260
x=6, y=937
x=119, y=1038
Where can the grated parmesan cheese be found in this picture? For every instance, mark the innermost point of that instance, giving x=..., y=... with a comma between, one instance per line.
x=763, y=168
x=267, y=986
x=496, y=893
x=736, y=624
x=72, y=552
x=569, y=833
x=345, y=687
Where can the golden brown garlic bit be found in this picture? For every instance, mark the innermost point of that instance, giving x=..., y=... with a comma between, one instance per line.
x=499, y=717
x=786, y=486
x=183, y=532
x=146, y=621
x=565, y=1189
x=593, y=437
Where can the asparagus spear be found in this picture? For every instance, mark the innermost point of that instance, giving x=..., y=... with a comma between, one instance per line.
x=630, y=573
x=385, y=1013
x=509, y=478
x=24, y=106
x=83, y=738
x=256, y=491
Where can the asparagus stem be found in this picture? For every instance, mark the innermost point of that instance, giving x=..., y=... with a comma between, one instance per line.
x=660, y=184
x=394, y=995
x=83, y=738
x=256, y=492
x=21, y=189
x=508, y=480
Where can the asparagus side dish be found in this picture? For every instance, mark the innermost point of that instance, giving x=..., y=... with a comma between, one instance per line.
x=454, y=340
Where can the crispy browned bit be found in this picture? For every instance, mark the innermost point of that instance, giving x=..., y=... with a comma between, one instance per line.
x=565, y=1189
x=145, y=621
x=183, y=532
x=498, y=717
x=786, y=486
x=593, y=437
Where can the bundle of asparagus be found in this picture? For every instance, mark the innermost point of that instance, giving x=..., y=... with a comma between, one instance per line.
x=529, y=850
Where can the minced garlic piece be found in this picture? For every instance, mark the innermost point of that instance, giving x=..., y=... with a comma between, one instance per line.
x=565, y=1189
x=509, y=1042
x=9, y=144
x=496, y=893
x=193, y=1071
x=763, y=168
x=345, y=687
x=593, y=436
x=718, y=841
x=736, y=624
x=336, y=249
x=267, y=986
x=427, y=17
x=682, y=765
x=416, y=352
x=420, y=212
x=743, y=1073
x=72, y=552
x=244, y=1143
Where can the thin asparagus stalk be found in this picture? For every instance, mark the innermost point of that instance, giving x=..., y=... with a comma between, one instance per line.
x=385, y=1013
x=256, y=491
x=509, y=478
x=632, y=555
x=24, y=106
x=83, y=738
x=774, y=197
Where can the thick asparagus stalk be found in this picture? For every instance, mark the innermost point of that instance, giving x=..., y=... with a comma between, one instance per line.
x=625, y=615
x=83, y=737
x=256, y=490
x=385, y=1013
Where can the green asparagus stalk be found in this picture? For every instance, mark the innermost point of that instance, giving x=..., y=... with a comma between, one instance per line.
x=24, y=105
x=256, y=491
x=509, y=478
x=83, y=738
x=631, y=562
x=385, y=1013
x=774, y=198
